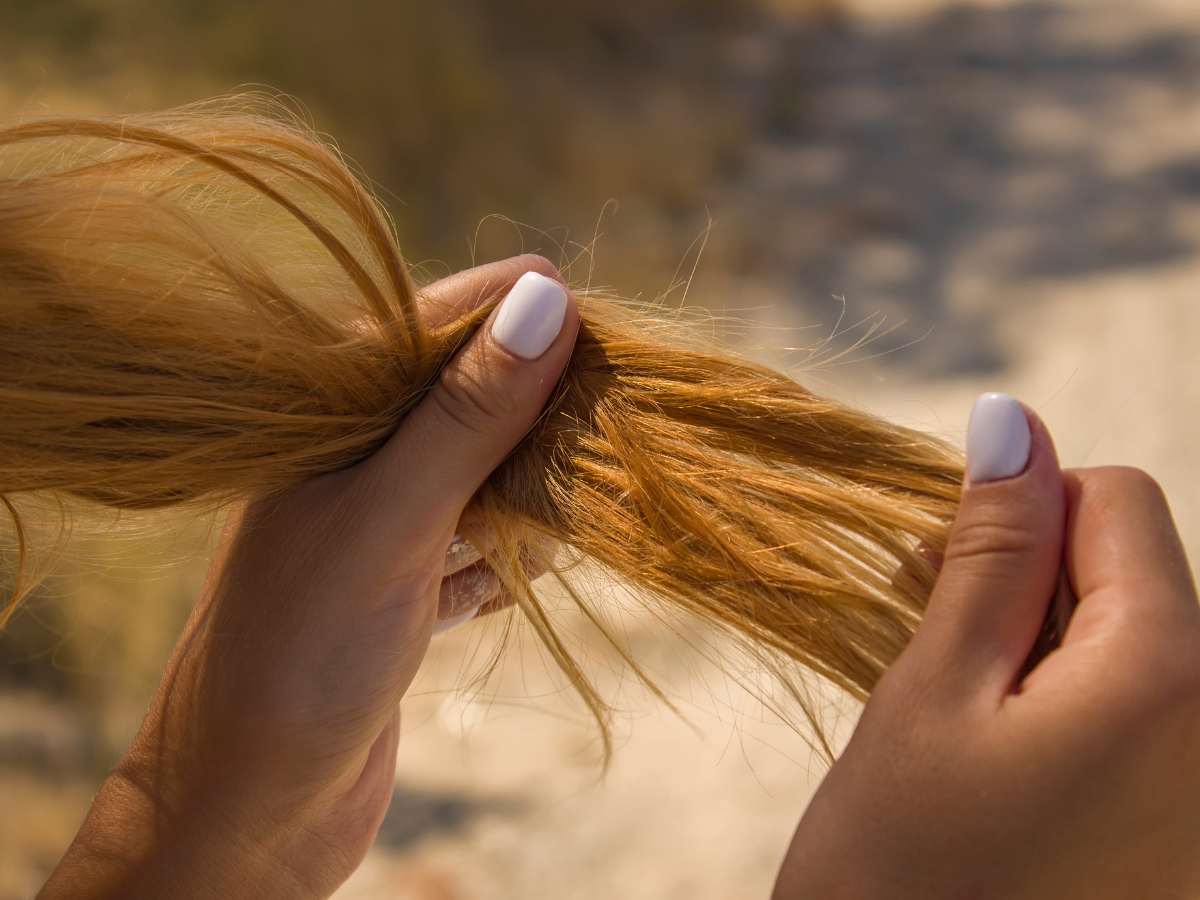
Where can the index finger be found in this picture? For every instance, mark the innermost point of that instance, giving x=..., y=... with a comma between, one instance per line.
x=448, y=298
x=1135, y=635
x=1120, y=535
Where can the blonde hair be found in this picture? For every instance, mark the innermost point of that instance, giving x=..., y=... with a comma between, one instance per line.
x=205, y=304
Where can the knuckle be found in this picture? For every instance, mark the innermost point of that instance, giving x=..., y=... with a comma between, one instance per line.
x=462, y=399
x=1127, y=480
x=977, y=538
x=466, y=398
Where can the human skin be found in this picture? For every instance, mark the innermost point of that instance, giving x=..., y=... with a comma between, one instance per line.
x=1082, y=780
x=267, y=760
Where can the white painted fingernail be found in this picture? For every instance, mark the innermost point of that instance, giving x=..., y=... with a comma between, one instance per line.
x=531, y=316
x=998, y=439
x=442, y=626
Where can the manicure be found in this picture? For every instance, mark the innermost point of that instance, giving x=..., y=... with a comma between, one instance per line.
x=998, y=438
x=460, y=554
x=441, y=626
x=531, y=316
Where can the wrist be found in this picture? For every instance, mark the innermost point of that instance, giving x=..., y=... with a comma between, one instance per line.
x=134, y=844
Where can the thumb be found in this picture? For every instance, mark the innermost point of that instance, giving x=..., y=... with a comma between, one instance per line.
x=483, y=402
x=1002, y=560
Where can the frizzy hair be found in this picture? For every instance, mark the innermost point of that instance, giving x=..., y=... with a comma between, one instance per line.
x=206, y=304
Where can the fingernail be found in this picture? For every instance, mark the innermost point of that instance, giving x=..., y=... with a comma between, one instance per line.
x=531, y=316
x=460, y=554
x=441, y=626
x=998, y=439
x=469, y=588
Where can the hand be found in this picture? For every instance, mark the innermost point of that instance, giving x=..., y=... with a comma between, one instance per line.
x=267, y=760
x=469, y=585
x=1082, y=780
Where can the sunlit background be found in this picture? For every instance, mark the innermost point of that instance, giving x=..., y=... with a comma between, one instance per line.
x=1012, y=189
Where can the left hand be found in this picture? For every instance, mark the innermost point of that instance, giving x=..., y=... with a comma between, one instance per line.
x=267, y=760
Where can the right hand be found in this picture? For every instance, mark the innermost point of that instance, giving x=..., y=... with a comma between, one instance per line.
x=1082, y=780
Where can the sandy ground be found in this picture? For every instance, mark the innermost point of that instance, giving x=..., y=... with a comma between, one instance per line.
x=1024, y=180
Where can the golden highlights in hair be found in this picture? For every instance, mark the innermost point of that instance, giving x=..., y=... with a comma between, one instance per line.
x=205, y=304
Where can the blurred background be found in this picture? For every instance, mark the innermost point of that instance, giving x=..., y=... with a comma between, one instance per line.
x=1011, y=188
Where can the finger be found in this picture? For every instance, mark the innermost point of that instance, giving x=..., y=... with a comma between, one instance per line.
x=479, y=585
x=473, y=538
x=483, y=402
x=1122, y=540
x=1002, y=560
x=448, y=298
x=1137, y=617
x=460, y=554
x=441, y=626
x=467, y=589
x=907, y=578
x=499, y=603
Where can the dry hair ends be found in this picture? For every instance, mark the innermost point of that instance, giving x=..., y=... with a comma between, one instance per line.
x=203, y=304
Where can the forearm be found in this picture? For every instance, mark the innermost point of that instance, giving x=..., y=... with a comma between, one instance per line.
x=128, y=848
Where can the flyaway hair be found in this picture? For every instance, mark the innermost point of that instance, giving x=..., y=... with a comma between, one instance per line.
x=201, y=305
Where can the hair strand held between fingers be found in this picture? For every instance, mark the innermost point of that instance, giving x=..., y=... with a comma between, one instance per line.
x=205, y=304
